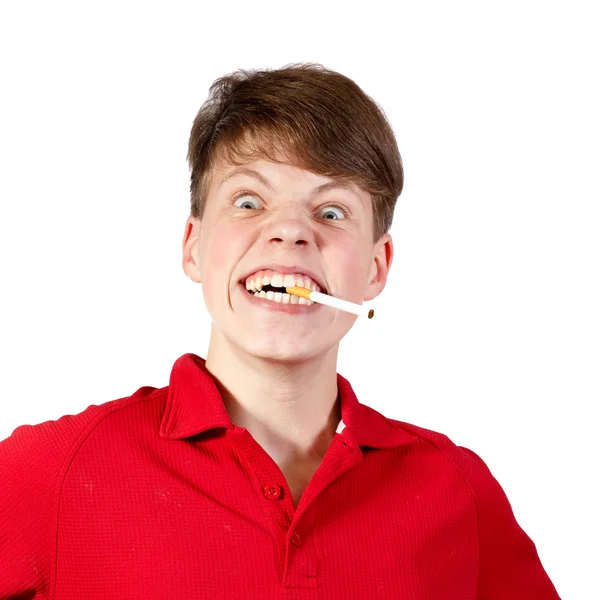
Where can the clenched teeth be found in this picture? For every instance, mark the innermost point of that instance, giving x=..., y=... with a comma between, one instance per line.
x=281, y=281
x=283, y=298
x=255, y=283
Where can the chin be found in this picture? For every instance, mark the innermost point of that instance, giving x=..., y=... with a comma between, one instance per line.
x=283, y=353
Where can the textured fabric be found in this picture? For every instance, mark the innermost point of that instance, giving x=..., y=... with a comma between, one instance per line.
x=159, y=495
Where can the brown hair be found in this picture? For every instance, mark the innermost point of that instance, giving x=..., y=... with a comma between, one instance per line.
x=316, y=118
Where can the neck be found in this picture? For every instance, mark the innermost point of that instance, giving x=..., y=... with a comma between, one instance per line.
x=291, y=409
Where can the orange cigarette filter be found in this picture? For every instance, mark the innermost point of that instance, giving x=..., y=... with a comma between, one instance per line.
x=332, y=301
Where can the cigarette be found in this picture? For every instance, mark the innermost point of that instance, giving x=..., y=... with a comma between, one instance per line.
x=356, y=309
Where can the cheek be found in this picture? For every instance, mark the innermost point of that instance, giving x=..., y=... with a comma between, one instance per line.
x=220, y=254
x=352, y=270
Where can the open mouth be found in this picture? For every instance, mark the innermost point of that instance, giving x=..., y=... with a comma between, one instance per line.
x=266, y=288
x=271, y=288
x=278, y=297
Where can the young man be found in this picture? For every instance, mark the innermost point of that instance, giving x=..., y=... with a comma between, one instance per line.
x=257, y=473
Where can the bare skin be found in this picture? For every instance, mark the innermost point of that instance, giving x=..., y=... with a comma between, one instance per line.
x=277, y=372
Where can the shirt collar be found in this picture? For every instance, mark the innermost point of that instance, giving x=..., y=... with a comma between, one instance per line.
x=194, y=405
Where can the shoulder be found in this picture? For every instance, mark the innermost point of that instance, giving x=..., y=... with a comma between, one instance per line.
x=33, y=456
x=509, y=565
x=468, y=464
x=33, y=462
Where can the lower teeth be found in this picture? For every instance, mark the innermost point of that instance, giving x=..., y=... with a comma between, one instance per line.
x=284, y=298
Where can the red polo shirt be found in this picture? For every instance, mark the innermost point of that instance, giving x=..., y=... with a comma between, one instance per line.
x=158, y=495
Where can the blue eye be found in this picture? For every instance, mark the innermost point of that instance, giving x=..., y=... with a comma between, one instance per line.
x=339, y=208
x=245, y=201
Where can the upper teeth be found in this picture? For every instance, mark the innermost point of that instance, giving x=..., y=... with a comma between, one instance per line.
x=280, y=280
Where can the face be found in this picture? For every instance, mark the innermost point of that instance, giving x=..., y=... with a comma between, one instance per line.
x=265, y=212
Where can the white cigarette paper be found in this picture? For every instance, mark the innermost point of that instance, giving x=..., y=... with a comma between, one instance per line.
x=356, y=309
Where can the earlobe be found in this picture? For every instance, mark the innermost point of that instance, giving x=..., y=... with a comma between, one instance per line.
x=190, y=239
x=380, y=266
x=190, y=268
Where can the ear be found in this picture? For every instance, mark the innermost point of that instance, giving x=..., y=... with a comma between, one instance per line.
x=383, y=254
x=189, y=262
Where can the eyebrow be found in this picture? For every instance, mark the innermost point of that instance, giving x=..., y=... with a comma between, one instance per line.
x=345, y=185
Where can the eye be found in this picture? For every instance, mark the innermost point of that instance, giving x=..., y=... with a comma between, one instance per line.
x=339, y=207
x=243, y=196
x=248, y=198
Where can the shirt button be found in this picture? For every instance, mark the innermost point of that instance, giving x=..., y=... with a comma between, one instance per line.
x=272, y=492
x=296, y=540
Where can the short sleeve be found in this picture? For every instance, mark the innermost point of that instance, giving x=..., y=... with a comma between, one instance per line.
x=24, y=500
x=31, y=460
x=509, y=567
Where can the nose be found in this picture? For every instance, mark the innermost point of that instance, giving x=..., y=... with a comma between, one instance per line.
x=289, y=227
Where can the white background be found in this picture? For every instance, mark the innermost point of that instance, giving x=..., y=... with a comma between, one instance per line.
x=488, y=329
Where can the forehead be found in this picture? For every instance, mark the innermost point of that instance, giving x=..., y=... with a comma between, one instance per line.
x=276, y=176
